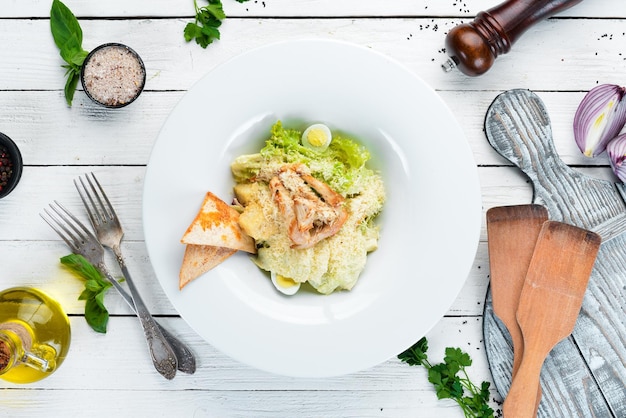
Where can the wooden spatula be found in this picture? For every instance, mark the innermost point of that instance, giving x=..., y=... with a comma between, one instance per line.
x=549, y=304
x=512, y=233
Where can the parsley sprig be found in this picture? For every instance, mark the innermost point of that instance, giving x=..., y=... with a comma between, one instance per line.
x=68, y=37
x=451, y=380
x=205, y=28
x=96, y=287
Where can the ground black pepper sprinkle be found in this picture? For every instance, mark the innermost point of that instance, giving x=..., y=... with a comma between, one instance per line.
x=6, y=167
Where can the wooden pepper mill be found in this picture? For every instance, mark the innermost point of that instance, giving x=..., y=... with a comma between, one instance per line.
x=473, y=47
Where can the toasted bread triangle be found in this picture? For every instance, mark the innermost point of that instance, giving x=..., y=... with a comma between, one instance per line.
x=199, y=259
x=217, y=225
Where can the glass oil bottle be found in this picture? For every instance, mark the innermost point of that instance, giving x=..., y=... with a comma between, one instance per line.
x=34, y=335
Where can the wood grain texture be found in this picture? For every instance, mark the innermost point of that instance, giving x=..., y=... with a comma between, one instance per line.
x=225, y=388
x=512, y=233
x=549, y=305
x=562, y=58
x=283, y=8
x=416, y=42
x=518, y=127
x=95, y=136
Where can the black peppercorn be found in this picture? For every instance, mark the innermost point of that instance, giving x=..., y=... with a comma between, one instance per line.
x=6, y=167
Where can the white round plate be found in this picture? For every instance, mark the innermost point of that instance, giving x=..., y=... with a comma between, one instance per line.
x=429, y=226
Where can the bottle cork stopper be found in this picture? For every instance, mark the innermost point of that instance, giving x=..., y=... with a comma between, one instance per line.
x=5, y=355
x=20, y=331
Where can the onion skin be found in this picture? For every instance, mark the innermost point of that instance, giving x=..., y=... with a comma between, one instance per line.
x=616, y=149
x=600, y=116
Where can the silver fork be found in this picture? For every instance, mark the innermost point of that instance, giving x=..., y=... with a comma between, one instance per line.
x=109, y=232
x=81, y=241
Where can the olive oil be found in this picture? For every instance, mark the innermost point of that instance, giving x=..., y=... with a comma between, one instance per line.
x=34, y=335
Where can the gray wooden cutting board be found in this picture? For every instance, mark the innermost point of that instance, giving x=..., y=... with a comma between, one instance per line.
x=585, y=375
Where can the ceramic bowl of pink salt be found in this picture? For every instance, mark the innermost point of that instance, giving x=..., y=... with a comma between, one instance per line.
x=113, y=75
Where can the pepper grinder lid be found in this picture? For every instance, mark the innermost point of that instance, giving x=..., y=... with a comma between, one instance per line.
x=473, y=47
x=468, y=51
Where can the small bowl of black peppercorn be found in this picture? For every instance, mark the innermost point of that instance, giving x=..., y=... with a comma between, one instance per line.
x=10, y=165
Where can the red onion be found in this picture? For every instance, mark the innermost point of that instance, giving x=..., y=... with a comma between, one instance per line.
x=600, y=116
x=616, y=149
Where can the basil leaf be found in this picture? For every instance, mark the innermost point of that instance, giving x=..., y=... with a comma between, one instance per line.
x=65, y=28
x=85, y=294
x=93, y=286
x=68, y=37
x=70, y=54
x=70, y=87
x=96, y=286
x=81, y=266
x=96, y=316
x=100, y=298
x=78, y=58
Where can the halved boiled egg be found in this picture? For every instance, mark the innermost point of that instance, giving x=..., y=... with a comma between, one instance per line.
x=317, y=137
x=284, y=284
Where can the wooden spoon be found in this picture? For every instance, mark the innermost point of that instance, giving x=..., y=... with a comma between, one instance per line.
x=549, y=304
x=512, y=233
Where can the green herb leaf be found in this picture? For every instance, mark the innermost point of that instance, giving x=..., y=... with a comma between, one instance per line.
x=85, y=294
x=455, y=355
x=192, y=31
x=77, y=58
x=416, y=354
x=213, y=10
x=205, y=28
x=450, y=379
x=79, y=265
x=68, y=37
x=92, y=286
x=65, y=28
x=96, y=316
x=70, y=86
x=96, y=286
x=99, y=298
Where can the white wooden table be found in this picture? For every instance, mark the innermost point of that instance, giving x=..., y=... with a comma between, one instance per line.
x=111, y=375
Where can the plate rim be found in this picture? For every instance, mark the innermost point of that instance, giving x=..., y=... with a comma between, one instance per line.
x=471, y=181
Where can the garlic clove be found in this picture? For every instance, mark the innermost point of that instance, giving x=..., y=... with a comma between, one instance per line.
x=600, y=116
x=616, y=149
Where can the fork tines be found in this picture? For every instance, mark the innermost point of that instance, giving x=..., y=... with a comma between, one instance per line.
x=66, y=225
x=99, y=207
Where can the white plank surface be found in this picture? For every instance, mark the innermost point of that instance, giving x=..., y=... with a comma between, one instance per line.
x=415, y=42
x=560, y=59
x=282, y=8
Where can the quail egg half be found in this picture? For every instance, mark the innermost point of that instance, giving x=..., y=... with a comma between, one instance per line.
x=317, y=137
x=284, y=284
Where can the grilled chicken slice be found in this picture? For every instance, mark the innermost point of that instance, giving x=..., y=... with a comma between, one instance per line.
x=312, y=210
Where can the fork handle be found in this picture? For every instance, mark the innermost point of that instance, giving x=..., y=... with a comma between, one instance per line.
x=163, y=356
x=186, y=358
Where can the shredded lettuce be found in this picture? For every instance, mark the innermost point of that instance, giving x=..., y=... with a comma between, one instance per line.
x=285, y=143
x=336, y=262
x=341, y=165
